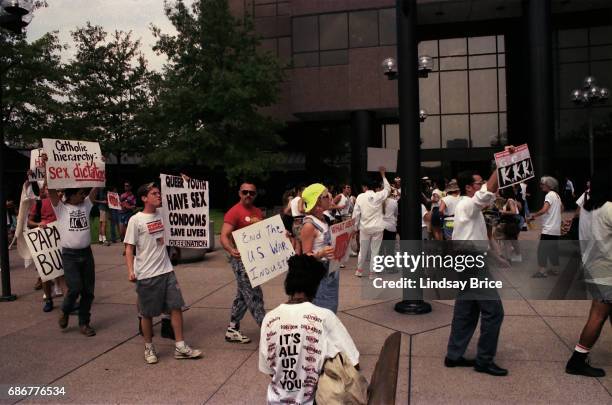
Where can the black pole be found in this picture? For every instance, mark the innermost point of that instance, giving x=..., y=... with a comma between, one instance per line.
x=410, y=142
x=4, y=256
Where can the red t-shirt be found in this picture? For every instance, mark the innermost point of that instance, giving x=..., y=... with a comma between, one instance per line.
x=239, y=216
x=47, y=215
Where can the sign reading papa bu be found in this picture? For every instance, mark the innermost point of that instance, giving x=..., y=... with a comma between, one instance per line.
x=264, y=249
x=513, y=168
x=43, y=244
x=74, y=164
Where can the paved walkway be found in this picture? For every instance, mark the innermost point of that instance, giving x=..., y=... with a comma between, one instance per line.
x=536, y=339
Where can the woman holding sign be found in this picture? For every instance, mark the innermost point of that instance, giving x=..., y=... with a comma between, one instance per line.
x=316, y=241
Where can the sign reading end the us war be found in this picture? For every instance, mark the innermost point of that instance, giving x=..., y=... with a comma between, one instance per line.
x=186, y=213
x=264, y=249
x=74, y=164
x=513, y=168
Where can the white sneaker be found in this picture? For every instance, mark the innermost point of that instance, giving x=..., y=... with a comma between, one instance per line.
x=235, y=336
x=359, y=273
x=186, y=352
x=150, y=355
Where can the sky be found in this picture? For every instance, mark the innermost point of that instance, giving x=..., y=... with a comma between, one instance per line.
x=135, y=15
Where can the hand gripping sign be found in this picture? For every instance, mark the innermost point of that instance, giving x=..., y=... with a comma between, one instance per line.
x=74, y=164
x=514, y=168
x=341, y=237
x=46, y=252
x=264, y=249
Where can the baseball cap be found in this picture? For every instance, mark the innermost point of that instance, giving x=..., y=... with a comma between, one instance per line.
x=311, y=194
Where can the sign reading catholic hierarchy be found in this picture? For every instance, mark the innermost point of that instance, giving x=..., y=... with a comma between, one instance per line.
x=185, y=211
x=74, y=164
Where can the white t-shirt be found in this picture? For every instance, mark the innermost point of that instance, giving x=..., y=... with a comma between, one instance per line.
x=423, y=213
x=551, y=221
x=295, y=212
x=146, y=232
x=469, y=221
x=344, y=201
x=390, y=216
x=73, y=224
x=451, y=203
x=368, y=209
x=599, y=258
x=295, y=341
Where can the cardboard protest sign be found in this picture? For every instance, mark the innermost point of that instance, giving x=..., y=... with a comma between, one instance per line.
x=37, y=166
x=514, y=168
x=185, y=211
x=46, y=252
x=74, y=164
x=264, y=249
x=378, y=157
x=114, y=203
x=341, y=237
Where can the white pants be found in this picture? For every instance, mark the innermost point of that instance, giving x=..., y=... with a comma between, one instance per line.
x=369, y=245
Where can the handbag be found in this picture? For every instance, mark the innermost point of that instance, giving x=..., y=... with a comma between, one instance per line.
x=341, y=383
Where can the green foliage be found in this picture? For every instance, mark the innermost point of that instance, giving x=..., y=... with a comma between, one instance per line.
x=213, y=86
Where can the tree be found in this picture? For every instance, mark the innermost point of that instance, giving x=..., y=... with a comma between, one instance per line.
x=107, y=90
x=214, y=84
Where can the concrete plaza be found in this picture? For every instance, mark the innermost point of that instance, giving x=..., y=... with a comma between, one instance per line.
x=536, y=339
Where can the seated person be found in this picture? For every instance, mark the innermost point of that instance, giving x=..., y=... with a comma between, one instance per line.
x=297, y=337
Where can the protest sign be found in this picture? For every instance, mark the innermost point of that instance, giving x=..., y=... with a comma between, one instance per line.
x=264, y=249
x=341, y=237
x=185, y=211
x=378, y=157
x=46, y=252
x=74, y=164
x=37, y=166
x=114, y=203
x=514, y=168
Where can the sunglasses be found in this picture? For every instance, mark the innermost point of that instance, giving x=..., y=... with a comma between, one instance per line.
x=248, y=192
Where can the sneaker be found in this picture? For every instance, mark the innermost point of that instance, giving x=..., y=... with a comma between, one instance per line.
x=63, y=320
x=150, y=355
x=87, y=330
x=186, y=352
x=342, y=266
x=107, y=243
x=48, y=306
x=234, y=335
x=359, y=273
x=539, y=274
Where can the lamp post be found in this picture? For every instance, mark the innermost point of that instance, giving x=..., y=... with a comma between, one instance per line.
x=14, y=16
x=407, y=73
x=588, y=95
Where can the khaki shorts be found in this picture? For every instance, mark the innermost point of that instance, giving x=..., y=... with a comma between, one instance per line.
x=103, y=215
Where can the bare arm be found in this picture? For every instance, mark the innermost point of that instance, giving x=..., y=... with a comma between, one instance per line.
x=308, y=235
x=93, y=194
x=227, y=242
x=129, y=260
x=442, y=207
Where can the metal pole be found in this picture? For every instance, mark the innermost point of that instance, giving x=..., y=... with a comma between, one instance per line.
x=410, y=142
x=591, y=142
x=4, y=256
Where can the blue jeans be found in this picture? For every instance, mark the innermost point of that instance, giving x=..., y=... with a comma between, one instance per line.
x=328, y=292
x=114, y=217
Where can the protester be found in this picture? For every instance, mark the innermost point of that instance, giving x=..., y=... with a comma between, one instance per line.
x=344, y=202
x=316, y=241
x=470, y=305
x=569, y=193
x=396, y=188
x=316, y=334
x=597, y=260
x=242, y=214
x=525, y=211
x=436, y=220
x=447, y=208
x=297, y=213
x=548, y=249
x=77, y=258
x=369, y=221
x=584, y=218
x=102, y=203
x=115, y=220
x=149, y=266
x=128, y=204
x=510, y=221
x=390, y=213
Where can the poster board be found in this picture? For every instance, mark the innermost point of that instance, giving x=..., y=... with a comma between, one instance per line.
x=74, y=164
x=114, y=202
x=378, y=157
x=514, y=168
x=37, y=166
x=341, y=235
x=43, y=244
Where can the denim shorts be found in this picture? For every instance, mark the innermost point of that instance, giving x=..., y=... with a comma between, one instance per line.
x=159, y=294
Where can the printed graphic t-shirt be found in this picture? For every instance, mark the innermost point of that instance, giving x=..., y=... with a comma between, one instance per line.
x=146, y=232
x=47, y=214
x=239, y=216
x=73, y=224
x=295, y=341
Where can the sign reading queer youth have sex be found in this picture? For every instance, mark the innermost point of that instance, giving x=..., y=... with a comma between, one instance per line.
x=74, y=164
x=43, y=244
x=186, y=214
x=513, y=168
x=264, y=249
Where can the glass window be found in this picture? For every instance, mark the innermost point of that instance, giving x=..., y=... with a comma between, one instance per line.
x=501, y=60
x=501, y=78
x=570, y=78
x=483, y=90
x=483, y=130
x=573, y=55
x=453, y=63
x=268, y=45
x=391, y=136
x=601, y=35
x=503, y=128
x=284, y=49
x=333, y=31
x=267, y=10
x=306, y=59
x=573, y=123
x=601, y=52
x=430, y=132
x=501, y=43
x=477, y=45
x=568, y=38
x=454, y=92
x=483, y=61
x=387, y=26
x=429, y=93
x=455, y=131
x=305, y=34
x=453, y=47
x=329, y=58
x=429, y=48
x=283, y=9
x=363, y=27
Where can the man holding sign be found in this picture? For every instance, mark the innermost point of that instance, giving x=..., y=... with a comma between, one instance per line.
x=241, y=215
